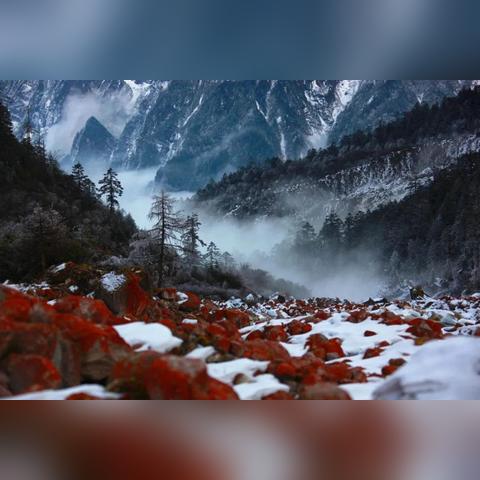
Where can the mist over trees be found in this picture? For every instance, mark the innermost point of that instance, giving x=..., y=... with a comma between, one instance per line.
x=257, y=190
x=48, y=216
x=431, y=237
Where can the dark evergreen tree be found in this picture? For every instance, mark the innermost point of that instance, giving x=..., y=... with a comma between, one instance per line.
x=191, y=240
x=212, y=257
x=111, y=188
x=82, y=180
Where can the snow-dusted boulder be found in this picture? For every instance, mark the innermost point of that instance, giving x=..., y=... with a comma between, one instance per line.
x=440, y=370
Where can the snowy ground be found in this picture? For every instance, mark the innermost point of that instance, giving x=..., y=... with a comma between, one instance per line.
x=435, y=369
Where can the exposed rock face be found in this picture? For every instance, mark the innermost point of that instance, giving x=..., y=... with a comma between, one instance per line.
x=93, y=144
x=206, y=128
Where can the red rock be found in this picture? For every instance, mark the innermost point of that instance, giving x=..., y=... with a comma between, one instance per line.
x=18, y=307
x=427, y=329
x=192, y=304
x=390, y=318
x=238, y=317
x=358, y=316
x=128, y=300
x=167, y=377
x=323, y=391
x=276, y=333
x=137, y=300
x=369, y=333
x=31, y=373
x=298, y=327
x=223, y=345
x=255, y=335
x=100, y=346
x=393, y=365
x=322, y=315
x=341, y=372
x=169, y=294
x=217, y=330
x=168, y=322
x=279, y=396
x=82, y=396
x=285, y=369
x=372, y=352
x=326, y=349
x=21, y=337
x=88, y=309
x=260, y=350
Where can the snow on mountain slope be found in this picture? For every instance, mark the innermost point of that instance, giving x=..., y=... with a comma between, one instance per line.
x=376, y=178
x=209, y=127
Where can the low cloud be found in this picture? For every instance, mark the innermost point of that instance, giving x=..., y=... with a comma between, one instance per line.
x=112, y=111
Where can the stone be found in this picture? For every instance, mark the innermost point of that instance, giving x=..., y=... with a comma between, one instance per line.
x=323, y=391
x=31, y=373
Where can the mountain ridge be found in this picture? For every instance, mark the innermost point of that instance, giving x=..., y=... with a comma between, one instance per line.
x=208, y=128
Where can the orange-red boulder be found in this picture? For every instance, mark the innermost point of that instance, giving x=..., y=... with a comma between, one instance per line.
x=427, y=329
x=324, y=348
x=323, y=391
x=30, y=373
x=192, y=304
x=259, y=350
x=167, y=377
x=88, y=309
x=298, y=327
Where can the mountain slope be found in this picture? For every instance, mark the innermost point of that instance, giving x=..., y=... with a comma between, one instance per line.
x=365, y=171
x=197, y=130
x=45, y=217
x=93, y=144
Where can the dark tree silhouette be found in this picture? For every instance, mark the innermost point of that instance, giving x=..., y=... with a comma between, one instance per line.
x=111, y=188
x=166, y=230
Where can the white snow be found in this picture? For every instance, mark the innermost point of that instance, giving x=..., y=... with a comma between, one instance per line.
x=194, y=111
x=94, y=390
x=254, y=387
x=111, y=281
x=190, y=321
x=201, y=352
x=59, y=268
x=182, y=297
x=148, y=336
x=227, y=371
x=440, y=370
x=261, y=386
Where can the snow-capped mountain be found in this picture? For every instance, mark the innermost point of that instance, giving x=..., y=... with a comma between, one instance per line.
x=361, y=173
x=194, y=131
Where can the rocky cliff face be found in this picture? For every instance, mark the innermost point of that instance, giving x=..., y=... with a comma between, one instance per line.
x=375, y=179
x=197, y=130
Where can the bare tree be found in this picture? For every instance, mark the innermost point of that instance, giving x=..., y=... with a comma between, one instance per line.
x=167, y=228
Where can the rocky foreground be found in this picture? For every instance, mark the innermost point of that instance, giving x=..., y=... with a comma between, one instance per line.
x=87, y=333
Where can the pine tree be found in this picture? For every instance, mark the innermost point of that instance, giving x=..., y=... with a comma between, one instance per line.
x=82, y=180
x=227, y=261
x=45, y=229
x=167, y=228
x=111, y=188
x=5, y=121
x=212, y=256
x=331, y=232
x=191, y=239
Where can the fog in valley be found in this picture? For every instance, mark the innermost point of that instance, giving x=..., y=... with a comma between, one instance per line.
x=256, y=242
